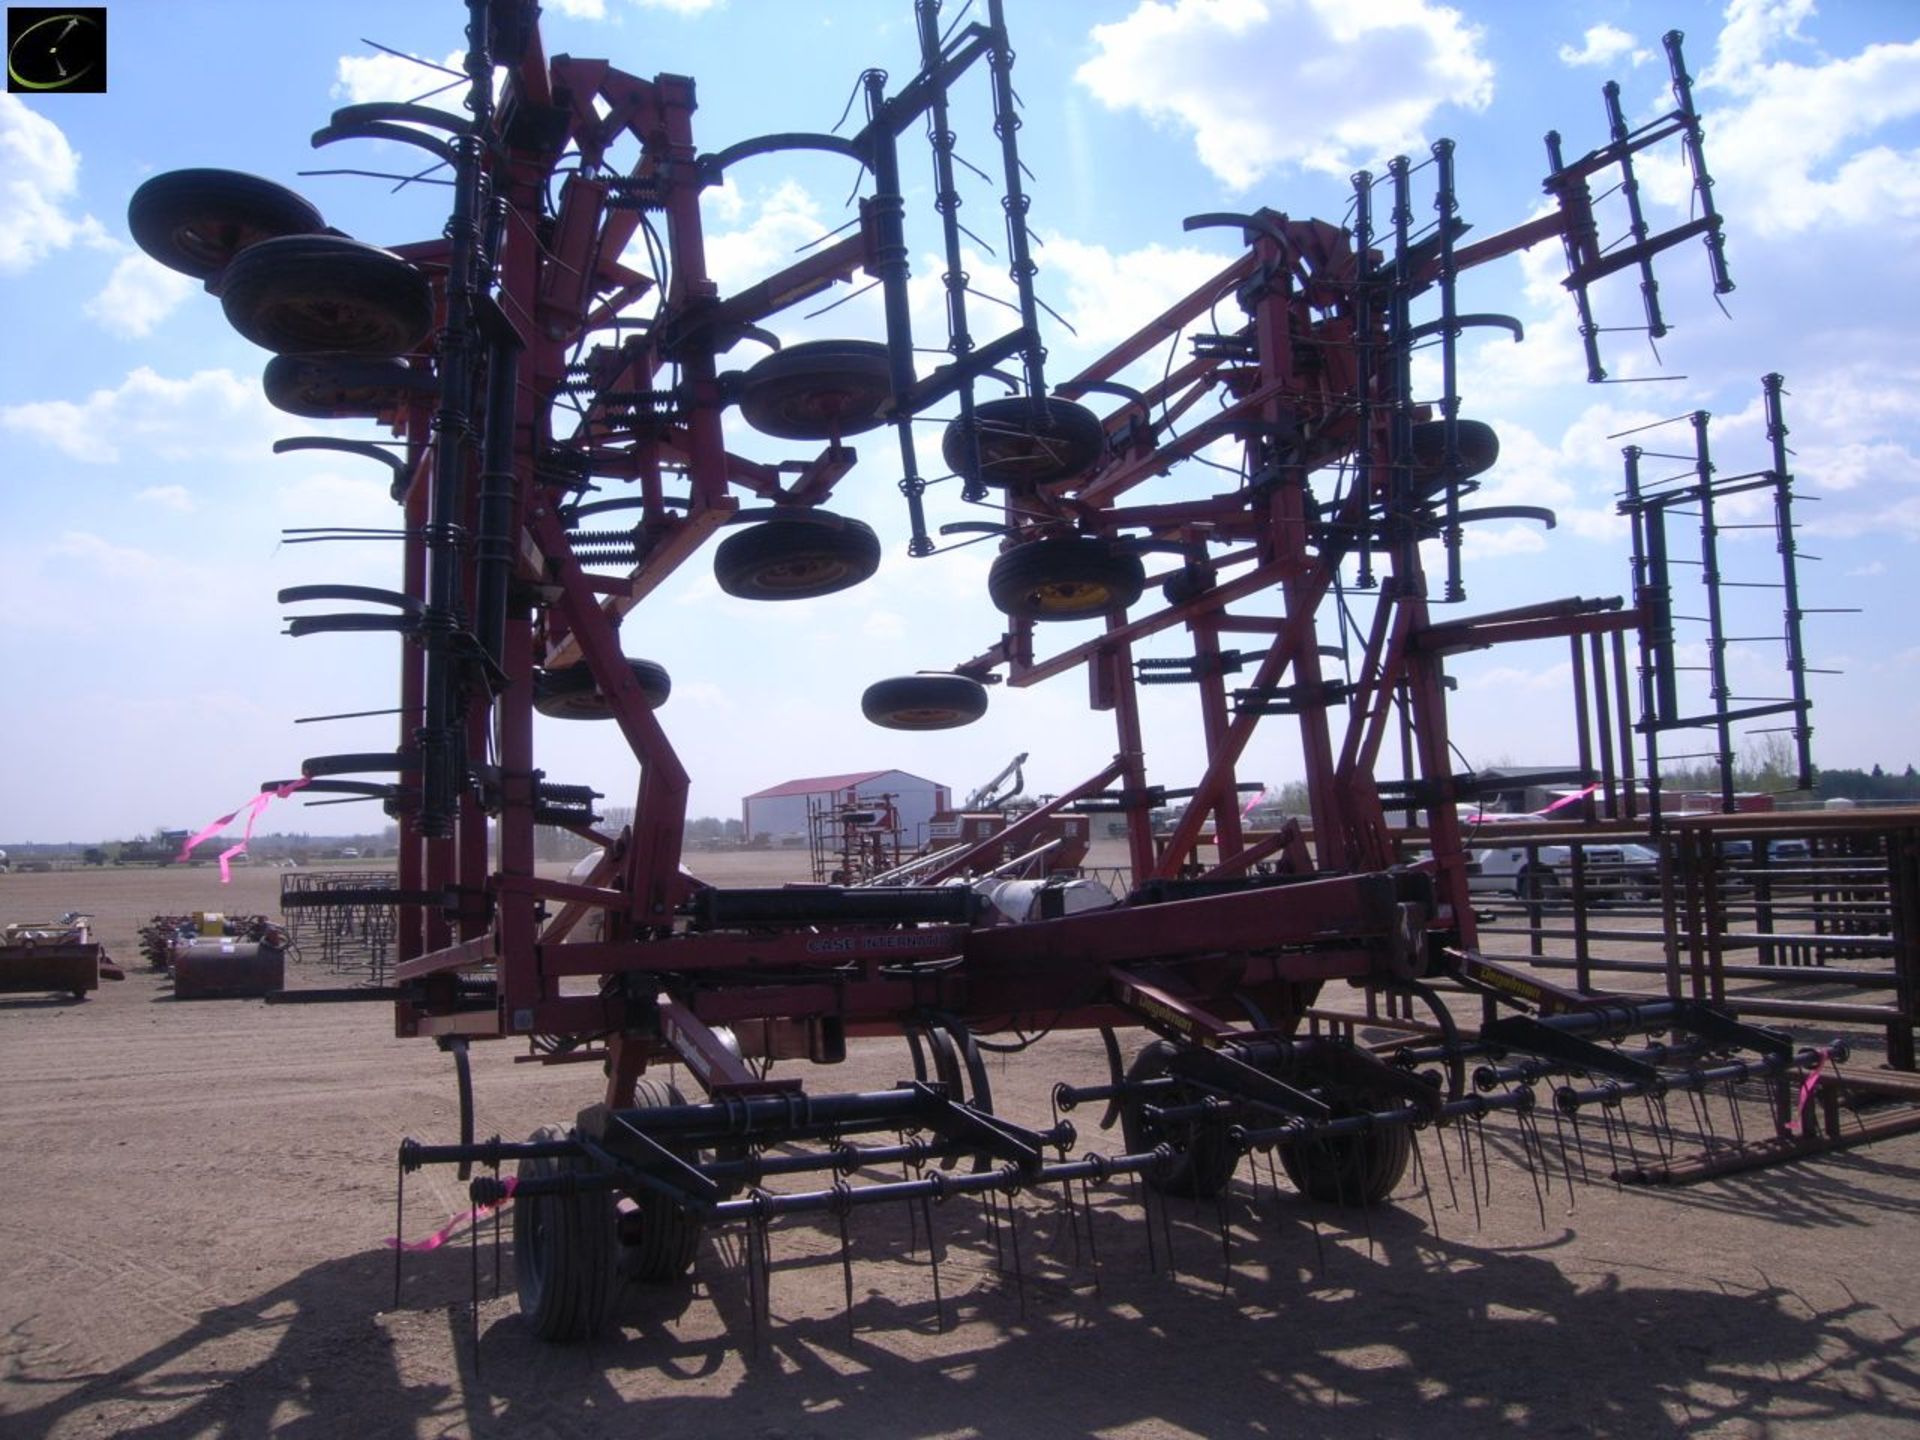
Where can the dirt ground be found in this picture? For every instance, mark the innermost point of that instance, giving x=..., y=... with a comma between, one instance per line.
x=195, y=1198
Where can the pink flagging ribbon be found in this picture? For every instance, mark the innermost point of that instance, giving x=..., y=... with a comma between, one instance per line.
x=1572, y=799
x=447, y=1231
x=252, y=811
x=1797, y=1120
x=1248, y=808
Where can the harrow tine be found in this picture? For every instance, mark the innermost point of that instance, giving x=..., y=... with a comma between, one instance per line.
x=1426, y=1186
x=473, y=1308
x=1739, y=1124
x=1093, y=1243
x=846, y=1256
x=933, y=1260
x=1700, y=1123
x=1013, y=1241
x=1486, y=1169
x=1580, y=1142
x=1528, y=1139
x=1633, y=1150
x=1613, y=1153
x=496, y=1235
x=1073, y=1221
x=766, y=1276
x=1466, y=1166
x=1566, y=1161
x=1446, y=1166
x=399, y=1228
x=913, y=1220
x=992, y=1203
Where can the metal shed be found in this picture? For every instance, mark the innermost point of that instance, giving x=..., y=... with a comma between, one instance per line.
x=781, y=810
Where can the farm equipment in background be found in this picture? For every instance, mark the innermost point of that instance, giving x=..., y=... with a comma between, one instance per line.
x=563, y=338
x=212, y=956
x=46, y=955
x=972, y=840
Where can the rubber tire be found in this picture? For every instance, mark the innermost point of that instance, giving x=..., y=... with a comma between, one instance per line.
x=1189, y=584
x=1200, y=1171
x=342, y=387
x=563, y=1253
x=196, y=221
x=820, y=390
x=1069, y=578
x=571, y=693
x=1356, y=1171
x=1024, y=444
x=795, y=559
x=311, y=294
x=1479, y=446
x=924, y=702
x=669, y=1236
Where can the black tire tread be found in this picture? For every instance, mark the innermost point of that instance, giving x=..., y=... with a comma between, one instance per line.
x=857, y=372
x=563, y=1253
x=1023, y=442
x=332, y=387
x=747, y=563
x=669, y=1237
x=1356, y=1171
x=196, y=221
x=924, y=702
x=1114, y=578
x=308, y=294
x=572, y=693
x=1203, y=1162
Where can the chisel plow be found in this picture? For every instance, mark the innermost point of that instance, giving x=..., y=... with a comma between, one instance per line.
x=562, y=339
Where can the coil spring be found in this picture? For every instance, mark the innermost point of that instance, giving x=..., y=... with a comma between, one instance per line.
x=605, y=545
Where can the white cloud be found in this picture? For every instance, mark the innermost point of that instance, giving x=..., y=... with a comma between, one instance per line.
x=138, y=295
x=39, y=173
x=784, y=219
x=681, y=7
x=362, y=79
x=102, y=557
x=1209, y=66
x=1803, y=145
x=580, y=9
x=361, y=498
x=1753, y=28
x=1601, y=45
x=1107, y=296
x=167, y=497
x=210, y=414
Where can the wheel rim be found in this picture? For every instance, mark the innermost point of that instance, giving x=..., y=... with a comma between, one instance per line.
x=1071, y=597
x=212, y=241
x=823, y=411
x=926, y=717
x=337, y=324
x=1020, y=443
x=803, y=572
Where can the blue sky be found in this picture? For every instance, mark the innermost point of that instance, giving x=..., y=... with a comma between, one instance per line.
x=150, y=686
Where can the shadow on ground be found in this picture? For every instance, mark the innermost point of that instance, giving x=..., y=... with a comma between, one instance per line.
x=1321, y=1325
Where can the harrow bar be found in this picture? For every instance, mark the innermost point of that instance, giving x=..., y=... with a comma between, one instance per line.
x=700, y=1156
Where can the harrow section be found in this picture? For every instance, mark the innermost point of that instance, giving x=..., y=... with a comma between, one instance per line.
x=563, y=338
